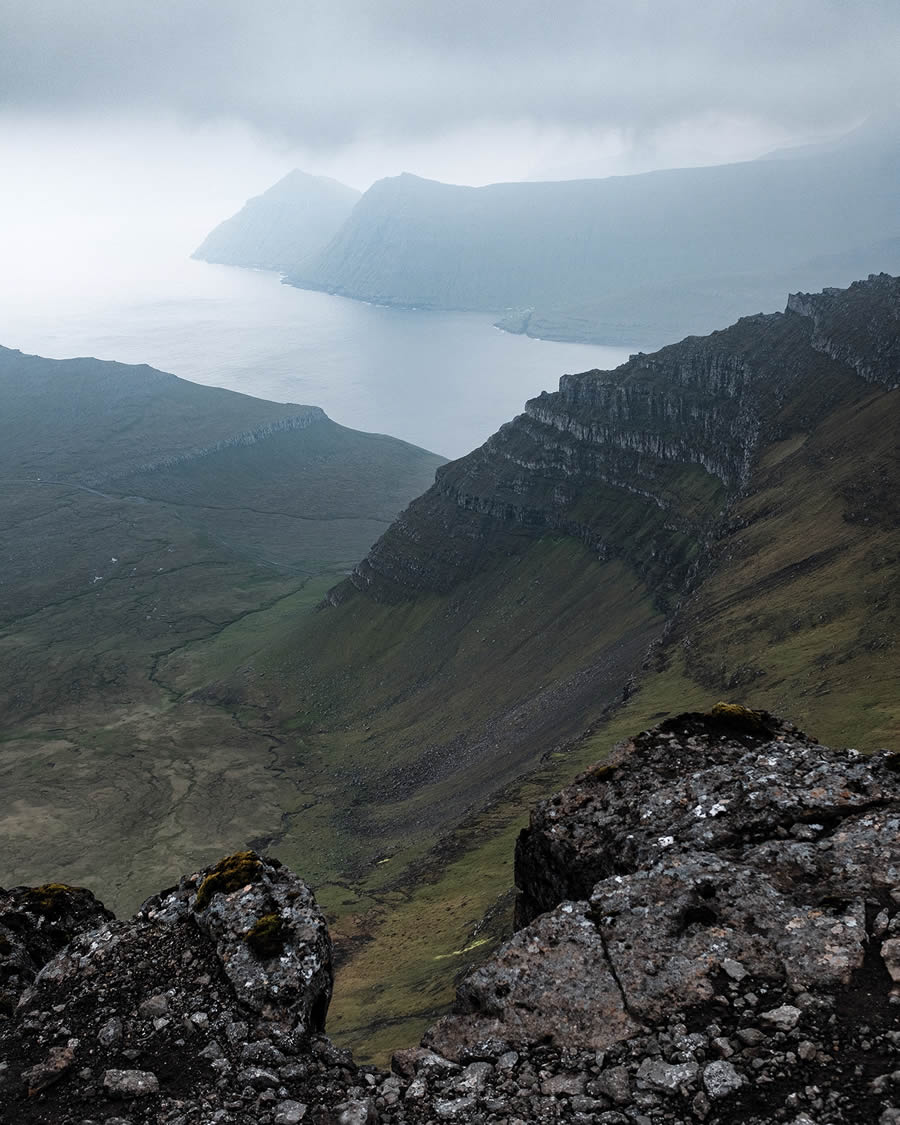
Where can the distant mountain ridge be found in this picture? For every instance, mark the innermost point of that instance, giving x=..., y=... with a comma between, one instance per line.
x=134, y=431
x=627, y=259
x=280, y=228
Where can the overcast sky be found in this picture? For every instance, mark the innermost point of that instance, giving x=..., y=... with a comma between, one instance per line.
x=180, y=109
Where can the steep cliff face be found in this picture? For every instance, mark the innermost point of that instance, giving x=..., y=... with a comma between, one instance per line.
x=717, y=519
x=859, y=326
x=664, y=441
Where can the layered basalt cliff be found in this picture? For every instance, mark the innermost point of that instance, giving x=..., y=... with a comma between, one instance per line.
x=859, y=326
x=641, y=462
x=713, y=936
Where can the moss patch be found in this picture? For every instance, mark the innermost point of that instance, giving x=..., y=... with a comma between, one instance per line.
x=734, y=715
x=266, y=937
x=51, y=899
x=229, y=874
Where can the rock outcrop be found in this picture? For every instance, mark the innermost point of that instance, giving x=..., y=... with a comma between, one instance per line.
x=710, y=932
x=216, y=986
x=859, y=326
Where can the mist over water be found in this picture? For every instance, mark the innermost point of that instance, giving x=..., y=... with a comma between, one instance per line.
x=444, y=381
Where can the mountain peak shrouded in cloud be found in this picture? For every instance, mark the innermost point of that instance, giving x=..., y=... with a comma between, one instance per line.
x=166, y=117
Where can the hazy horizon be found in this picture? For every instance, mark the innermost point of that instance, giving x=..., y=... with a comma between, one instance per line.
x=128, y=131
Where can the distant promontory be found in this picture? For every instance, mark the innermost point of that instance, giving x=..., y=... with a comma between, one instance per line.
x=627, y=260
x=280, y=228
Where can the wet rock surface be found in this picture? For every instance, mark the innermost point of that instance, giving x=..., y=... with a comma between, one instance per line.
x=715, y=937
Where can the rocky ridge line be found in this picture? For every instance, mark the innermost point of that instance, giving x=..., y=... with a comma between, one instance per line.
x=311, y=415
x=706, y=403
x=859, y=326
x=710, y=933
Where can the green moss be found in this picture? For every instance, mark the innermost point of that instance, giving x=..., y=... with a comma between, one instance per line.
x=50, y=899
x=603, y=771
x=229, y=874
x=266, y=937
x=734, y=715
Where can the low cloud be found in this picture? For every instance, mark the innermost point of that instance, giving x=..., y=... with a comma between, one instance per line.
x=326, y=75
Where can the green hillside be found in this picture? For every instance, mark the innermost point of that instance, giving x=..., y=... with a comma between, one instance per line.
x=715, y=520
x=145, y=516
x=585, y=571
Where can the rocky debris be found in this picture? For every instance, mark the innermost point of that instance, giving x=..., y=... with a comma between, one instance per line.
x=207, y=1002
x=742, y=971
x=44, y=1074
x=130, y=1083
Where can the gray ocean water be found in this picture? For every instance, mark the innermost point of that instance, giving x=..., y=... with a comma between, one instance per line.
x=444, y=381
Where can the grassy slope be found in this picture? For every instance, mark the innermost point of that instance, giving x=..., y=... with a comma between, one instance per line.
x=83, y=418
x=403, y=719
x=797, y=614
x=395, y=745
x=298, y=500
x=388, y=776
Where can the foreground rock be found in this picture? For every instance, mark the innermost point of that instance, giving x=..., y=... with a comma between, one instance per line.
x=710, y=933
x=716, y=915
x=209, y=1001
